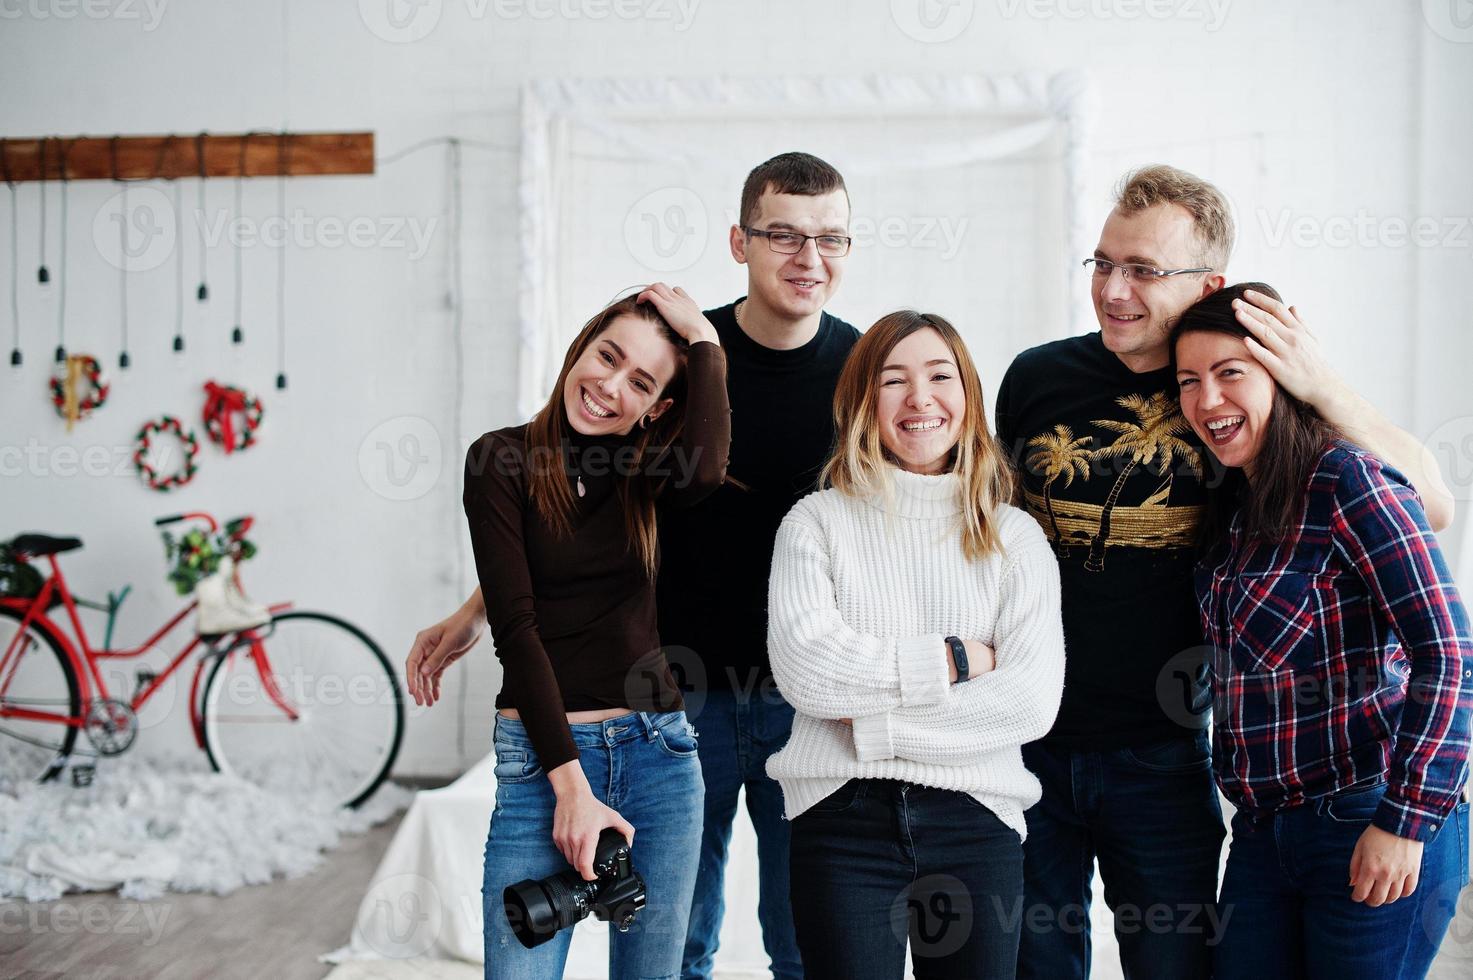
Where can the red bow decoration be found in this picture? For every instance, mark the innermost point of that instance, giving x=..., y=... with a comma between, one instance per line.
x=221, y=404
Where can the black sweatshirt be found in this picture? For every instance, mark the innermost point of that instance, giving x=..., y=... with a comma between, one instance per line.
x=716, y=556
x=1086, y=432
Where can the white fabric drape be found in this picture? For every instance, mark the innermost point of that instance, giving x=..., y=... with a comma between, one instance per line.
x=1007, y=116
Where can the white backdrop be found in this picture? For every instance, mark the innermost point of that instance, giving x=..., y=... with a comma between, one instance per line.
x=1313, y=116
x=968, y=191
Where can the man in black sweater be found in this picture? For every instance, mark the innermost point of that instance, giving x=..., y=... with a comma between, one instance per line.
x=1118, y=482
x=784, y=355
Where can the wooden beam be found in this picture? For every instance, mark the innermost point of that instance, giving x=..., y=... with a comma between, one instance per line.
x=165, y=157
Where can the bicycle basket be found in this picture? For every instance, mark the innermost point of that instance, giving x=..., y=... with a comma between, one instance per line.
x=18, y=579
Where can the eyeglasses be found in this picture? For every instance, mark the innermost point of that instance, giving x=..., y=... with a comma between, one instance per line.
x=1135, y=271
x=791, y=243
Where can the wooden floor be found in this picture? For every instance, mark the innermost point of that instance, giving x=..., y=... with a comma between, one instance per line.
x=263, y=932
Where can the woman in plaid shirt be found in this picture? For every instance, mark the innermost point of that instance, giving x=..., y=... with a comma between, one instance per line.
x=1343, y=673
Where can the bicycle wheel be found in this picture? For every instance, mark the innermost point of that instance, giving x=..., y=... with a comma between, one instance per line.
x=336, y=728
x=38, y=677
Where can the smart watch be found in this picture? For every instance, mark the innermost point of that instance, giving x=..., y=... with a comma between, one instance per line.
x=959, y=657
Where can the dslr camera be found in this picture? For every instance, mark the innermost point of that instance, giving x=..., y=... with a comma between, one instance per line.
x=538, y=910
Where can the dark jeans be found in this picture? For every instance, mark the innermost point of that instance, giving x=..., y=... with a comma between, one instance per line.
x=1286, y=897
x=1150, y=816
x=738, y=733
x=879, y=862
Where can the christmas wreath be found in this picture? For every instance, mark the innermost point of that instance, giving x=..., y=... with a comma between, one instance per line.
x=187, y=440
x=70, y=403
x=222, y=402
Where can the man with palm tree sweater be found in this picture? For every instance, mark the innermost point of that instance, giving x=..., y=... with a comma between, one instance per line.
x=1114, y=475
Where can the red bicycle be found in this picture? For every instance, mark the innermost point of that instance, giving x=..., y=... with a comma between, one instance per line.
x=306, y=703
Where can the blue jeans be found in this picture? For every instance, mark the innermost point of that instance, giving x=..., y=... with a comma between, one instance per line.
x=642, y=765
x=738, y=733
x=881, y=863
x=1286, y=897
x=1150, y=816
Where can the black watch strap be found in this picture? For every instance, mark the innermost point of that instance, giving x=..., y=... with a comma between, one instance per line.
x=959, y=657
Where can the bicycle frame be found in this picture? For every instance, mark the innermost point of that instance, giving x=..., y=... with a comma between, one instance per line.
x=84, y=659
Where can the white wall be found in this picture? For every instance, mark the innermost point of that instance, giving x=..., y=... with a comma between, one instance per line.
x=1314, y=113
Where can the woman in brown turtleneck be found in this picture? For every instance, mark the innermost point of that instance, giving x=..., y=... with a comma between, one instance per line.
x=590, y=731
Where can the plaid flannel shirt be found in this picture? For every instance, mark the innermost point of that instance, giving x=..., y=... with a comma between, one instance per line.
x=1341, y=654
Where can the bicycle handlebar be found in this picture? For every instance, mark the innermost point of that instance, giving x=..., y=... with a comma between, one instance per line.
x=200, y=515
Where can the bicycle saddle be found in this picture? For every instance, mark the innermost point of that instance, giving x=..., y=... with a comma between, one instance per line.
x=40, y=545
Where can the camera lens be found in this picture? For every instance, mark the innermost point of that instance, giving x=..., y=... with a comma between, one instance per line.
x=536, y=910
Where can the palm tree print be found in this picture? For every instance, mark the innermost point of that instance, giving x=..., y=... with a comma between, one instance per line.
x=1152, y=437
x=1058, y=454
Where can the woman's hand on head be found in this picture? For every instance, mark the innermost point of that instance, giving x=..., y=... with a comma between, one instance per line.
x=580, y=817
x=681, y=312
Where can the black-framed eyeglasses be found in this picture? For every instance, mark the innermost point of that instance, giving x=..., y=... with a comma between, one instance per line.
x=791, y=243
x=1135, y=271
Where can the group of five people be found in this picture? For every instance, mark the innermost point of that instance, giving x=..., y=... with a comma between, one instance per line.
x=869, y=594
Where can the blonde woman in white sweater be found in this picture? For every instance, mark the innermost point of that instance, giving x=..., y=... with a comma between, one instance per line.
x=914, y=626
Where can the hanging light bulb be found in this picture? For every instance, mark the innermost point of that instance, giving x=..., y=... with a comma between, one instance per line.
x=203, y=292
x=42, y=275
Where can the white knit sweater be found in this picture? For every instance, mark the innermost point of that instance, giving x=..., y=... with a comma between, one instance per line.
x=863, y=593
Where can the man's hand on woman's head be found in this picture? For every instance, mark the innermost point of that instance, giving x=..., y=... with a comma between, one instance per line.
x=1288, y=349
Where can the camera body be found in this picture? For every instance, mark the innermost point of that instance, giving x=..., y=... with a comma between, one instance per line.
x=538, y=910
